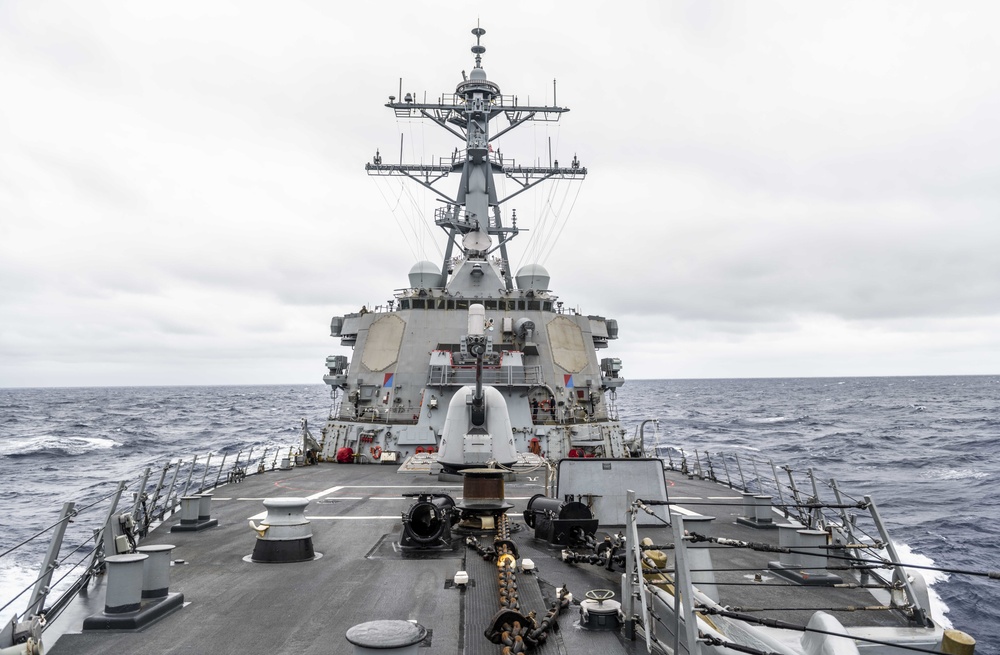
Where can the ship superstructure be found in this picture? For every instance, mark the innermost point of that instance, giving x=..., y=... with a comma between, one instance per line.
x=411, y=357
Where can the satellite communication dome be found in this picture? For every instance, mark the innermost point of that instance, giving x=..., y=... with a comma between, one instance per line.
x=532, y=276
x=425, y=275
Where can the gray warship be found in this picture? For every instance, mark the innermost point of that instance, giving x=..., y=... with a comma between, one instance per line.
x=474, y=491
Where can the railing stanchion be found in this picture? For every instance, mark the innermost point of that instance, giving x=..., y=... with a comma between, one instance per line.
x=41, y=590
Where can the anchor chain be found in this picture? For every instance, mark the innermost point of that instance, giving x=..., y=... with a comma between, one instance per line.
x=506, y=553
x=516, y=632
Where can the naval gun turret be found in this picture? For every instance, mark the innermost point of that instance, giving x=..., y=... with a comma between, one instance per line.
x=477, y=428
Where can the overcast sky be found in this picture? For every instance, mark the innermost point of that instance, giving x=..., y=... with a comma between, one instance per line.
x=775, y=188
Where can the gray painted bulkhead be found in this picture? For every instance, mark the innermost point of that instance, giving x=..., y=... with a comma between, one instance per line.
x=410, y=411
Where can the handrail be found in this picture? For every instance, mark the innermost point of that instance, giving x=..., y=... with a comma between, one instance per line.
x=149, y=506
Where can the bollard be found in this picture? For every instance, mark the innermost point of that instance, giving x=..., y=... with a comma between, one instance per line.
x=205, y=507
x=189, y=509
x=137, y=591
x=788, y=537
x=156, y=570
x=763, y=513
x=756, y=511
x=808, y=566
x=195, y=514
x=814, y=542
x=124, y=591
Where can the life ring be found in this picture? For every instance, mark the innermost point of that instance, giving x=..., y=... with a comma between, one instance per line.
x=376, y=452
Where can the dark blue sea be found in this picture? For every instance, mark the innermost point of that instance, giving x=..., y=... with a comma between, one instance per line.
x=925, y=448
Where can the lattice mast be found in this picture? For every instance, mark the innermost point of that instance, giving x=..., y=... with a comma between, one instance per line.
x=472, y=217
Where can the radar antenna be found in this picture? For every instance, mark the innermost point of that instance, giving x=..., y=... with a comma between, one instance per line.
x=471, y=217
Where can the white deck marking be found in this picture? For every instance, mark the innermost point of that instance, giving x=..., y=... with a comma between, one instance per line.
x=398, y=486
x=351, y=518
x=319, y=494
x=685, y=498
x=362, y=518
x=725, y=498
x=325, y=492
x=682, y=510
x=410, y=499
x=333, y=490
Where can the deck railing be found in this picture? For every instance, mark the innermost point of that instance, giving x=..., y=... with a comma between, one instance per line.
x=511, y=376
x=92, y=524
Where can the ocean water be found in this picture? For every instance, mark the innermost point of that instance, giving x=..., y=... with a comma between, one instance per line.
x=925, y=449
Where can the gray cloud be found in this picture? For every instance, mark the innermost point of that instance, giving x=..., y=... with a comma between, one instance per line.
x=775, y=189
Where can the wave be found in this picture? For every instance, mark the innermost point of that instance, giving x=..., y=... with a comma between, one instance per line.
x=938, y=606
x=961, y=474
x=15, y=578
x=54, y=446
x=768, y=420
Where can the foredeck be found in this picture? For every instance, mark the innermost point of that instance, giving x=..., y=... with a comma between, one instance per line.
x=234, y=606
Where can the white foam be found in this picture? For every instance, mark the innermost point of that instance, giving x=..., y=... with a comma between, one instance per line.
x=962, y=474
x=770, y=419
x=14, y=578
x=938, y=608
x=72, y=445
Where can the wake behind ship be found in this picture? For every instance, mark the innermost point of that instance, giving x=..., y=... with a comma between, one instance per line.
x=473, y=490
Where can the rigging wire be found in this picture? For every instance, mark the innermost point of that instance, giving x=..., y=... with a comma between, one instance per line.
x=409, y=215
x=414, y=218
x=544, y=227
x=395, y=216
x=776, y=623
x=552, y=222
x=420, y=235
x=565, y=222
x=418, y=213
x=764, y=547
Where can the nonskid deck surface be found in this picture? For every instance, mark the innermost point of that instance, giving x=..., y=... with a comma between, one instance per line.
x=234, y=606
